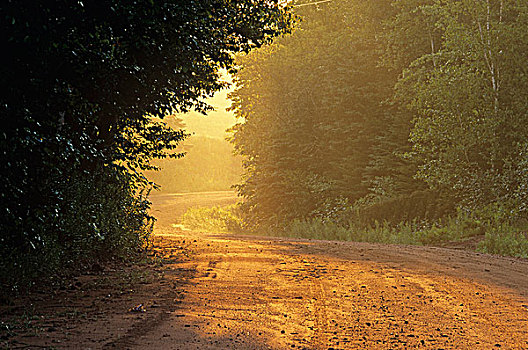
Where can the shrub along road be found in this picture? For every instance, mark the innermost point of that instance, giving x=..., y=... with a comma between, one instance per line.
x=220, y=291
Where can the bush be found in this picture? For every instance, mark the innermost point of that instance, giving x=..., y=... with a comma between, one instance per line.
x=506, y=229
x=505, y=241
x=215, y=219
x=377, y=233
x=502, y=231
x=317, y=229
x=419, y=205
x=453, y=228
x=85, y=218
x=84, y=85
x=104, y=214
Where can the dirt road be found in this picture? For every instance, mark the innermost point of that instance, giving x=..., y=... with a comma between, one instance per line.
x=251, y=293
x=240, y=292
x=264, y=293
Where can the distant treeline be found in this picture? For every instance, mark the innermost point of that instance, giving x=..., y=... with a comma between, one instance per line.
x=387, y=111
x=208, y=165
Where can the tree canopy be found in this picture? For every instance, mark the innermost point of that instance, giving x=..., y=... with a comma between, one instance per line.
x=469, y=101
x=399, y=110
x=82, y=81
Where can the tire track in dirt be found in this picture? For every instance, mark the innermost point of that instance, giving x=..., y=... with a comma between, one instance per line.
x=332, y=295
x=321, y=319
x=246, y=292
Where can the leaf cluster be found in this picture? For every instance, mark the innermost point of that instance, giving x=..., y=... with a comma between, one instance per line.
x=83, y=82
x=404, y=110
x=316, y=129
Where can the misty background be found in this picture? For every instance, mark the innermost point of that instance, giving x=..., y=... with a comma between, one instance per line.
x=209, y=163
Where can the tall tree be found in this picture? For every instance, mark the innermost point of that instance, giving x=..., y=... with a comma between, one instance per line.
x=315, y=130
x=470, y=130
x=84, y=80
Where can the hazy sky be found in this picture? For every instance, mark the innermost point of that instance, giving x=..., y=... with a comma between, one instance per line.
x=216, y=122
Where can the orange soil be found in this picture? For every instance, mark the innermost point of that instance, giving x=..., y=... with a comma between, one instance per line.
x=220, y=291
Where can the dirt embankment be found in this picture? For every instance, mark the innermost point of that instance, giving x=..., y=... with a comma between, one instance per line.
x=241, y=292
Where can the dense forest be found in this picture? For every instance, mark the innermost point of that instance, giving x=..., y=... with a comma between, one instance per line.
x=82, y=83
x=389, y=113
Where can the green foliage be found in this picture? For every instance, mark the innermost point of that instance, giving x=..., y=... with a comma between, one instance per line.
x=215, y=219
x=505, y=241
x=316, y=229
x=419, y=205
x=506, y=229
x=376, y=233
x=400, y=112
x=100, y=216
x=83, y=82
x=315, y=129
x=103, y=214
x=469, y=98
x=496, y=228
x=452, y=229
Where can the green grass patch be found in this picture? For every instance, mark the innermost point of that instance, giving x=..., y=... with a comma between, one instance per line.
x=498, y=231
x=506, y=242
x=378, y=233
x=215, y=219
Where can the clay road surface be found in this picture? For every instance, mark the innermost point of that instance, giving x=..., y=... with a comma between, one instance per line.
x=221, y=291
x=244, y=292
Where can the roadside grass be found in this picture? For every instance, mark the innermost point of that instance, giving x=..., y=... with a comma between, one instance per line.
x=505, y=242
x=413, y=233
x=495, y=231
x=494, y=236
x=27, y=322
x=214, y=219
x=377, y=233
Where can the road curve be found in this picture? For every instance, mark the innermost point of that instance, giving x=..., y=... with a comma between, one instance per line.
x=220, y=291
x=245, y=292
